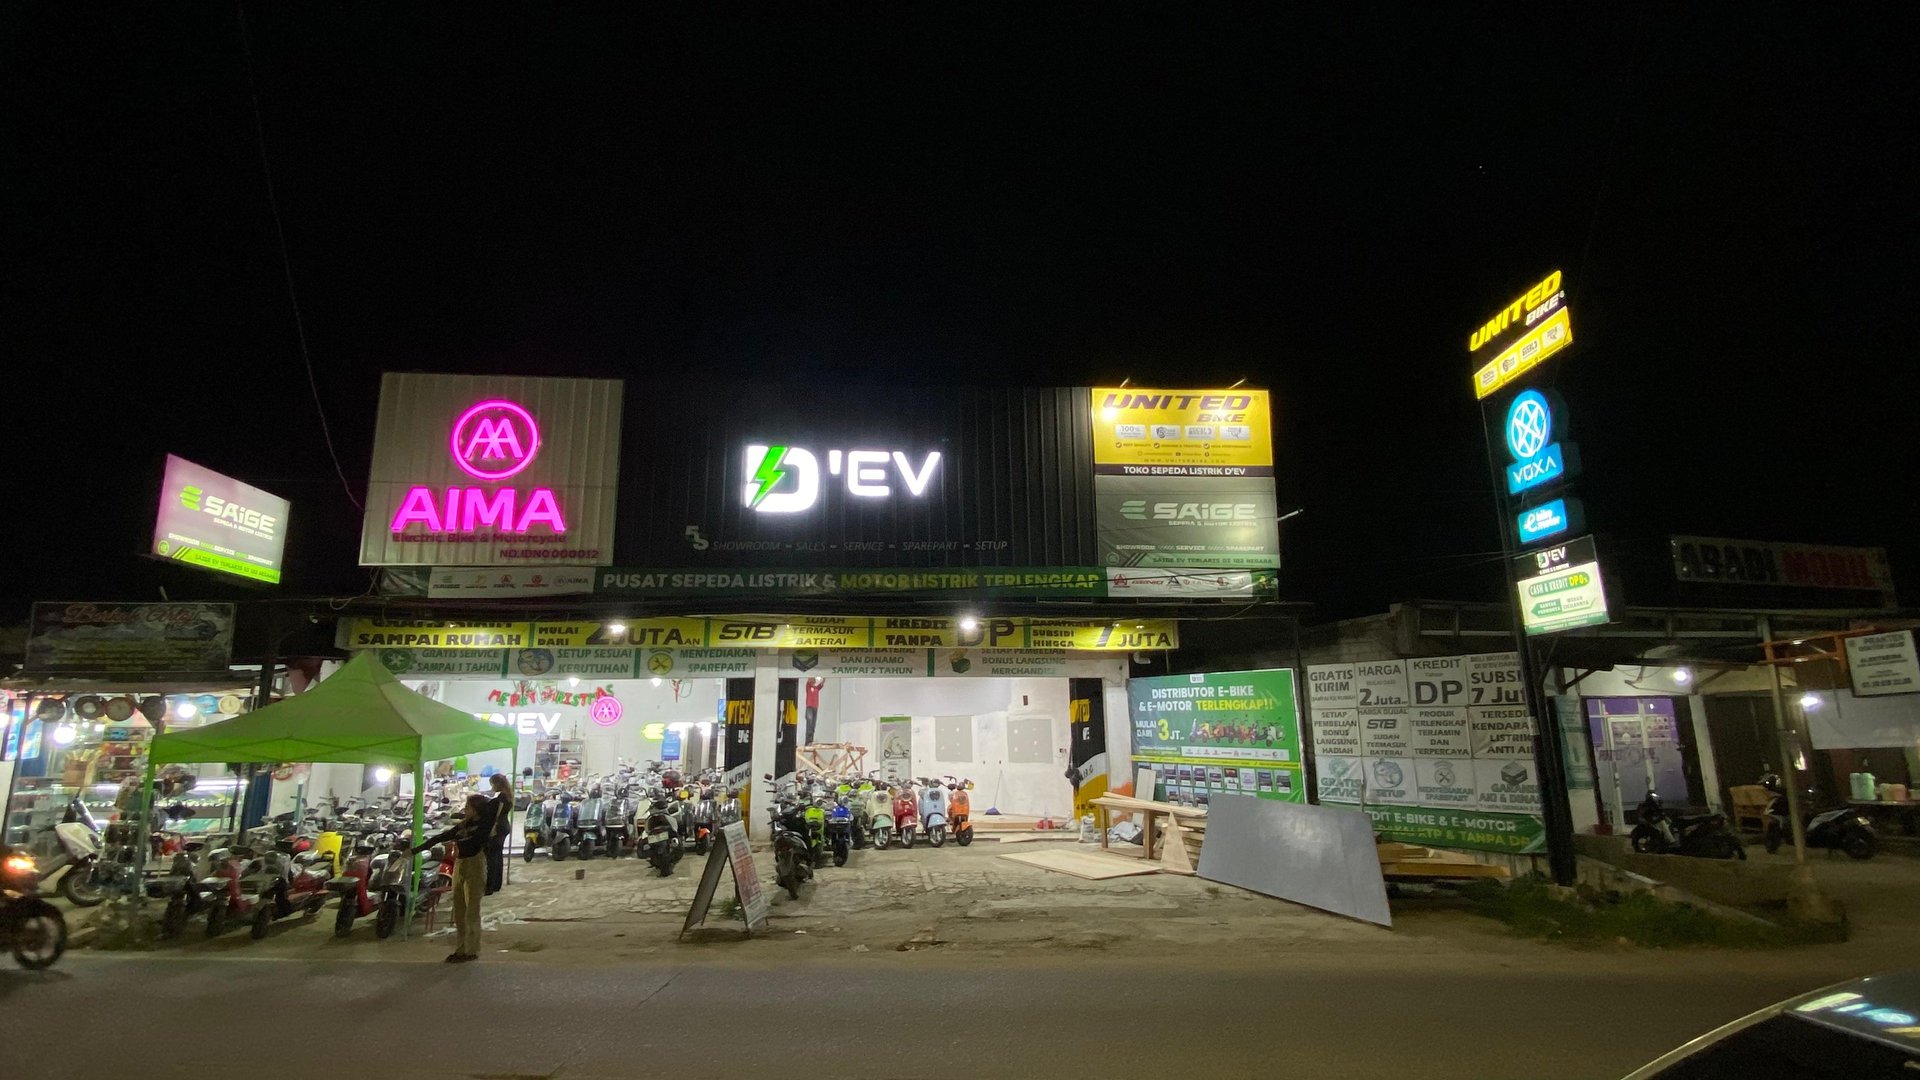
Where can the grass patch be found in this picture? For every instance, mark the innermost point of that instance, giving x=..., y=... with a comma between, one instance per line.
x=1589, y=917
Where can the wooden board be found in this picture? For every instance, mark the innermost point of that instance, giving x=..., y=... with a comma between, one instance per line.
x=1057, y=836
x=1425, y=869
x=1083, y=864
x=1127, y=803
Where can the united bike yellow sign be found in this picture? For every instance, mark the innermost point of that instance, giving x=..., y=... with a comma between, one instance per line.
x=770, y=632
x=1139, y=432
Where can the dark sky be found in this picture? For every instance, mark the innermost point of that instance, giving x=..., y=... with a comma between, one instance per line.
x=1183, y=194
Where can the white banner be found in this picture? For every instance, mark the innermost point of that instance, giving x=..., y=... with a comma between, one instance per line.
x=1883, y=664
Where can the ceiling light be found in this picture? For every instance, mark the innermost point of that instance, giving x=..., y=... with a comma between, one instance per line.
x=969, y=624
x=1682, y=676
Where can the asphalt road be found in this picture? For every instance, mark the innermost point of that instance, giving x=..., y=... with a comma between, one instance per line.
x=890, y=1018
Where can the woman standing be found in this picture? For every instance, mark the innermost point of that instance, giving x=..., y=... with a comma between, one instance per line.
x=471, y=834
x=502, y=828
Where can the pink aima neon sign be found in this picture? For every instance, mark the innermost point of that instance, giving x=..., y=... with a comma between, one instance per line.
x=492, y=441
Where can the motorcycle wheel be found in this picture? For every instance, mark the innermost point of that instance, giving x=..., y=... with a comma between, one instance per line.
x=906, y=838
x=526, y=850
x=387, y=919
x=937, y=835
x=39, y=935
x=703, y=845
x=879, y=841
x=666, y=867
x=343, y=922
x=964, y=835
x=174, y=919
x=586, y=849
x=1858, y=845
x=216, y=914
x=560, y=849
x=1645, y=840
x=315, y=903
x=839, y=854
x=262, y=921
x=78, y=886
x=1772, y=838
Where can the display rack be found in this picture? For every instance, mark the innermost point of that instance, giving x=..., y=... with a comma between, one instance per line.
x=550, y=754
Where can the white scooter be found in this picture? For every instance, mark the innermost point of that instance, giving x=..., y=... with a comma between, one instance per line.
x=77, y=851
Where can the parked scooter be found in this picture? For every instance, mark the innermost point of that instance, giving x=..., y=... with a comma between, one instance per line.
x=792, y=862
x=533, y=825
x=933, y=811
x=840, y=829
x=1839, y=829
x=619, y=823
x=228, y=895
x=562, y=823
x=959, y=808
x=30, y=928
x=293, y=884
x=183, y=886
x=906, y=814
x=77, y=852
x=1705, y=836
x=879, y=804
x=663, y=834
x=814, y=813
x=589, y=823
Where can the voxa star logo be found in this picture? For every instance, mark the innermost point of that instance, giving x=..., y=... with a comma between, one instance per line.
x=784, y=479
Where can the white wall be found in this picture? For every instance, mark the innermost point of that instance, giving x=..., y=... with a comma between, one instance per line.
x=644, y=704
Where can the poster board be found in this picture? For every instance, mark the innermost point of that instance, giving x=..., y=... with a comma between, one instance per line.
x=730, y=851
x=1219, y=733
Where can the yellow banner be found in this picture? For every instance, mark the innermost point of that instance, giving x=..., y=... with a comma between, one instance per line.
x=769, y=632
x=434, y=634
x=1182, y=432
x=1554, y=333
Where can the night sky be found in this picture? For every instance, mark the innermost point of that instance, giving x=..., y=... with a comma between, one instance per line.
x=1052, y=195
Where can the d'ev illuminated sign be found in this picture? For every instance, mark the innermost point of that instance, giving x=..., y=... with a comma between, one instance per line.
x=492, y=441
x=788, y=479
x=1537, y=459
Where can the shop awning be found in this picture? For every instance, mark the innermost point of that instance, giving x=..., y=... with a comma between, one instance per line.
x=361, y=715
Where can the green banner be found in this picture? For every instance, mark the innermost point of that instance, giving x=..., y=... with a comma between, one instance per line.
x=1219, y=733
x=1471, y=830
x=1056, y=582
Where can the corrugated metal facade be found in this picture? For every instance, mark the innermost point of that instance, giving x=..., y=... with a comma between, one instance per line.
x=1014, y=487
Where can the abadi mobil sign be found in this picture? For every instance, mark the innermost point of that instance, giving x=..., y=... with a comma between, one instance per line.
x=472, y=470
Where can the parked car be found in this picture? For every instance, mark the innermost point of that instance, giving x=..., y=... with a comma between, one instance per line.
x=1866, y=1029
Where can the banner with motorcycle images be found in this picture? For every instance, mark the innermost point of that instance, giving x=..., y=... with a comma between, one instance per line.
x=766, y=632
x=1437, y=750
x=952, y=663
x=1219, y=733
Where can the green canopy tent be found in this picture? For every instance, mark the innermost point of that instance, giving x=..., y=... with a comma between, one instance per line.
x=361, y=715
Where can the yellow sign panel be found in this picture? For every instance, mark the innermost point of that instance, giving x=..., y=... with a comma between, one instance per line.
x=1138, y=432
x=435, y=634
x=1124, y=636
x=1553, y=334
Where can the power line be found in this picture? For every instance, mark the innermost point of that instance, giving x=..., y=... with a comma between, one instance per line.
x=286, y=262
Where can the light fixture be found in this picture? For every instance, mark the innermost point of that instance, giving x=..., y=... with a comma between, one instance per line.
x=1809, y=701
x=1109, y=414
x=573, y=680
x=656, y=680
x=382, y=774
x=63, y=734
x=616, y=628
x=969, y=624
x=1237, y=383
x=186, y=710
x=1682, y=676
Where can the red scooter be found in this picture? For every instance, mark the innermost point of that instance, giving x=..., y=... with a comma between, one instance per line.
x=373, y=883
x=906, y=814
x=225, y=896
x=291, y=885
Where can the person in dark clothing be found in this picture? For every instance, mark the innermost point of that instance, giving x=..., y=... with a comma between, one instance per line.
x=502, y=828
x=471, y=834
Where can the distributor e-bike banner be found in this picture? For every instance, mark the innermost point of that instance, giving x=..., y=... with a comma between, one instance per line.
x=1219, y=733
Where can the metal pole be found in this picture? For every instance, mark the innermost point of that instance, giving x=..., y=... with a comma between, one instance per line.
x=1788, y=752
x=513, y=788
x=419, y=831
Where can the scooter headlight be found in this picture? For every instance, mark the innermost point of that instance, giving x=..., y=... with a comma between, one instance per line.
x=21, y=865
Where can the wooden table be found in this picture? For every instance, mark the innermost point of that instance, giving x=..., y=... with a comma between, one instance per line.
x=1106, y=805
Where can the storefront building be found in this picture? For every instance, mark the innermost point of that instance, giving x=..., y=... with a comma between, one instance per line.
x=753, y=579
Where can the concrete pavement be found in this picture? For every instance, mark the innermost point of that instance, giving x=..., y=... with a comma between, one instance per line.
x=887, y=1016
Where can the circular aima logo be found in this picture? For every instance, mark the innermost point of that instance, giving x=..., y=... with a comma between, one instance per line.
x=495, y=439
x=606, y=710
x=1529, y=424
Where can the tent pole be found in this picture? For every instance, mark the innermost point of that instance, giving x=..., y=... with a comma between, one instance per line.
x=419, y=835
x=513, y=789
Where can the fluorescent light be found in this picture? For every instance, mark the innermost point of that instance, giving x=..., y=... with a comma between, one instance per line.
x=186, y=710
x=656, y=680
x=63, y=734
x=969, y=624
x=382, y=774
x=1683, y=676
x=1809, y=701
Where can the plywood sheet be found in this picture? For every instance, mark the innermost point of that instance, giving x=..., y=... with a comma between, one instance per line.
x=1083, y=864
x=1313, y=855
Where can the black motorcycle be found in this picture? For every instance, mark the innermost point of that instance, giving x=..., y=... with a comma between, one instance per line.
x=1705, y=836
x=792, y=855
x=32, y=929
x=1839, y=829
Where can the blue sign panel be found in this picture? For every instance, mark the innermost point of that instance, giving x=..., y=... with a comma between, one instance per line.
x=670, y=746
x=1549, y=519
x=1548, y=465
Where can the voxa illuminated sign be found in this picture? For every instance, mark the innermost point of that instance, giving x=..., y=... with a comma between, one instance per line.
x=788, y=479
x=492, y=441
x=1537, y=458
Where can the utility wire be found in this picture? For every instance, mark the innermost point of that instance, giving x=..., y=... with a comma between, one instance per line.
x=286, y=261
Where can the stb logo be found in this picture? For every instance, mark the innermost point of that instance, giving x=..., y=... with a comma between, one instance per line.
x=1529, y=424
x=495, y=439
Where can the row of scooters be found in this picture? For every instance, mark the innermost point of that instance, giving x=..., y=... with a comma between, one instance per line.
x=655, y=814
x=816, y=818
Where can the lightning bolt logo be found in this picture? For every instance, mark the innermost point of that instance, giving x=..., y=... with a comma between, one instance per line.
x=768, y=474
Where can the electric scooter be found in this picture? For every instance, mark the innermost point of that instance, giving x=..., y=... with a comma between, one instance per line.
x=589, y=822
x=906, y=814
x=933, y=811
x=30, y=928
x=792, y=863
x=76, y=851
x=840, y=830
x=879, y=807
x=663, y=834
x=294, y=884
x=229, y=894
x=1663, y=833
x=533, y=826
x=562, y=824
x=959, y=807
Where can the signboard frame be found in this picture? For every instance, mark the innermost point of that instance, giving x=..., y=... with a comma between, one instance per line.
x=245, y=528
